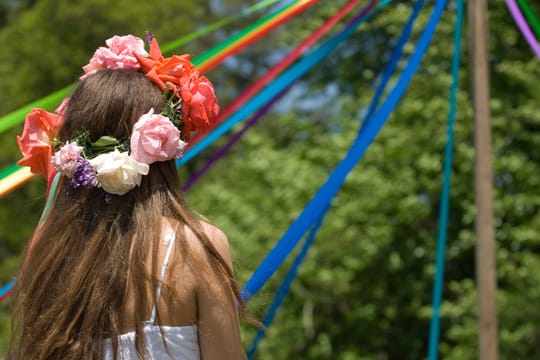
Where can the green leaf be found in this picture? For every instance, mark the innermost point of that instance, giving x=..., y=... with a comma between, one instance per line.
x=106, y=141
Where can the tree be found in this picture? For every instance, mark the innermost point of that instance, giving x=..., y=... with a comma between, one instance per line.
x=364, y=291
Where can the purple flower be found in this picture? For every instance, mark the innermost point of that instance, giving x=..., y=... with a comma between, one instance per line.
x=84, y=175
x=148, y=36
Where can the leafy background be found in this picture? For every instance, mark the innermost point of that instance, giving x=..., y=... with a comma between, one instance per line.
x=364, y=291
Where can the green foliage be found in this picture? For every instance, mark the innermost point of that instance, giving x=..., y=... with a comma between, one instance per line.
x=364, y=291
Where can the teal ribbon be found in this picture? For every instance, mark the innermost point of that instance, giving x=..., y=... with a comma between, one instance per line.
x=434, y=331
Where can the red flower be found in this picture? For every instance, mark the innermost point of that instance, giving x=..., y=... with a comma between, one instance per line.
x=165, y=72
x=199, y=104
x=40, y=128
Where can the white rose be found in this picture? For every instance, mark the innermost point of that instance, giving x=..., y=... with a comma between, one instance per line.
x=117, y=172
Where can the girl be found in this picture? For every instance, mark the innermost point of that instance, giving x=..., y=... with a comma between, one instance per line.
x=122, y=269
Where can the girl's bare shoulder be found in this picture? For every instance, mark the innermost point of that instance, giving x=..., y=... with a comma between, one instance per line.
x=216, y=237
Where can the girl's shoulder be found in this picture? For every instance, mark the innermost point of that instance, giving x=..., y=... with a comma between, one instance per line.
x=214, y=235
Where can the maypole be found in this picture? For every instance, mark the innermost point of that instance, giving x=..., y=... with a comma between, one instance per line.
x=486, y=278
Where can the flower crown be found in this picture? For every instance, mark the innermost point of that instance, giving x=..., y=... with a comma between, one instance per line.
x=115, y=165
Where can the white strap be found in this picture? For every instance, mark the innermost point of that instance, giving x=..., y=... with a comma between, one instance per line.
x=171, y=237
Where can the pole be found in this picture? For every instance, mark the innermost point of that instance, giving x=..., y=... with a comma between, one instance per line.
x=485, y=235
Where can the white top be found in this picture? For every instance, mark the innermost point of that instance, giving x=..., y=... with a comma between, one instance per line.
x=182, y=342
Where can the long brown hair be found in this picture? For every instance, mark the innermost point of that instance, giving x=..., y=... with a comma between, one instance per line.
x=70, y=294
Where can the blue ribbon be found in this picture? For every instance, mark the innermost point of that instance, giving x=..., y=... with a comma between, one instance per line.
x=322, y=198
x=285, y=286
x=390, y=68
x=7, y=288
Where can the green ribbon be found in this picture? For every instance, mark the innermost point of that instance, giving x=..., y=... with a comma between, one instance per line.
x=219, y=24
x=239, y=35
x=51, y=101
x=531, y=18
x=48, y=102
x=9, y=170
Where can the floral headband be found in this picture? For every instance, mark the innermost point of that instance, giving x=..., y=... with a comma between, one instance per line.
x=115, y=165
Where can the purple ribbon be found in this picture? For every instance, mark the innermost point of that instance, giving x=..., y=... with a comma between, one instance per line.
x=523, y=26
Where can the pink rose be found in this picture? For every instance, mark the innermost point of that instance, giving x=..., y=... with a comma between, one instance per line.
x=155, y=138
x=199, y=106
x=65, y=159
x=118, y=55
x=40, y=127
